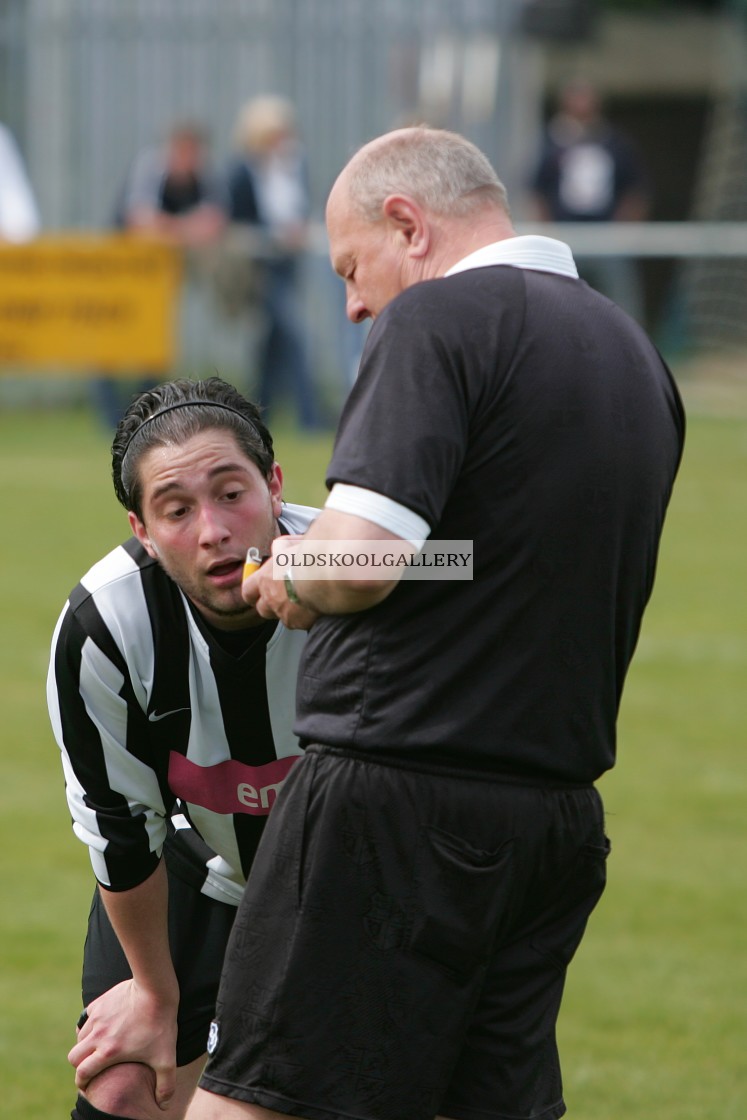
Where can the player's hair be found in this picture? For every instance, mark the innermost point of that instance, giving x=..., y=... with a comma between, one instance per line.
x=441, y=170
x=174, y=412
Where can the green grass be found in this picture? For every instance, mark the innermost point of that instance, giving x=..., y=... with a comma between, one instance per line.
x=655, y=1015
x=654, y=1020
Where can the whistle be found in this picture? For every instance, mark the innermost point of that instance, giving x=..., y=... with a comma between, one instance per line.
x=252, y=563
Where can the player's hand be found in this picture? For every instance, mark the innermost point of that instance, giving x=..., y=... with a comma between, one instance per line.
x=127, y=1024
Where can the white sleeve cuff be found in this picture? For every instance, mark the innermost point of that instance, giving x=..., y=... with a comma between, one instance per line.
x=388, y=514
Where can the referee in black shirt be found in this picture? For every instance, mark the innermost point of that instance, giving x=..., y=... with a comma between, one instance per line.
x=443, y=829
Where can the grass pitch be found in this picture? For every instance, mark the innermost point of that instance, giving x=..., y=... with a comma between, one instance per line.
x=655, y=1017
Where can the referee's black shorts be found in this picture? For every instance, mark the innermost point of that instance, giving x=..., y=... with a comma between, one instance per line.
x=402, y=944
x=198, y=933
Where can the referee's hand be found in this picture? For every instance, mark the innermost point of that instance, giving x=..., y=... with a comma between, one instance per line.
x=268, y=594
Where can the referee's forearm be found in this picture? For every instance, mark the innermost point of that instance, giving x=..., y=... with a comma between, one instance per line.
x=326, y=596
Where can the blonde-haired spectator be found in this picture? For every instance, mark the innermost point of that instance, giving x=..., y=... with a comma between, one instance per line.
x=268, y=190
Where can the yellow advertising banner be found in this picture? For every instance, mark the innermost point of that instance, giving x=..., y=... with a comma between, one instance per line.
x=89, y=304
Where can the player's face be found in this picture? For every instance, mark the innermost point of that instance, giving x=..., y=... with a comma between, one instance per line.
x=367, y=256
x=204, y=504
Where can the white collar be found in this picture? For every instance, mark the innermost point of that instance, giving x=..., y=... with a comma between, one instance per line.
x=529, y=250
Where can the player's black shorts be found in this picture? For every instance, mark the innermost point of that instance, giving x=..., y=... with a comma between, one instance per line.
x=402, y=944
x=198, y=932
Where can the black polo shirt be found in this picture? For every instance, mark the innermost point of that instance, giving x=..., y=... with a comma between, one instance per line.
x=524, y=411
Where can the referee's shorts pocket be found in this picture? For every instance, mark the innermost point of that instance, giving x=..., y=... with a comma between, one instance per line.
x=570, y=907
x=459, y=894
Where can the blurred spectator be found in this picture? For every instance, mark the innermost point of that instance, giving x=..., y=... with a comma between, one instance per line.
x=589, y=171
x=268, y=191
x=171, y=191
x=19, y=216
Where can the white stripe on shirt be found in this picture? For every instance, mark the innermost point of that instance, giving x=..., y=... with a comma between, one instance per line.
x=379, y=509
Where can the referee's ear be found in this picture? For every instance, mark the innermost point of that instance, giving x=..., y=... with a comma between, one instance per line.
x=409, y=224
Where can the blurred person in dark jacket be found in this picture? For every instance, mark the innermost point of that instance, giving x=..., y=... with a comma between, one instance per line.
x=590, y=171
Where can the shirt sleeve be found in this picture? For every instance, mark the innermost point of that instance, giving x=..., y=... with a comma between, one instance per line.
x=403, y=432
x=382, y=511
x=113, y=793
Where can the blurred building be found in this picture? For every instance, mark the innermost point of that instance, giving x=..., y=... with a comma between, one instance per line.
x=86, y=83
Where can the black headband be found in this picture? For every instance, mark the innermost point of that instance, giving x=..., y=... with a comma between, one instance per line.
x=187, y=404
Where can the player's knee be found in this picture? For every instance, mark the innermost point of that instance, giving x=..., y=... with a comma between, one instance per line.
x=122, y=1092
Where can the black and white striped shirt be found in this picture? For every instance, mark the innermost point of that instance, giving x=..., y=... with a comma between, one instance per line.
x=163, y=730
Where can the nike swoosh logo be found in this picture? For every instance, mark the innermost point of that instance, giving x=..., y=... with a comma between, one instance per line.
x=155, y=716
